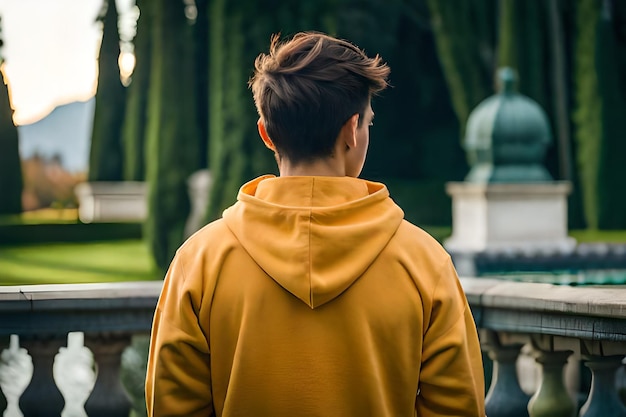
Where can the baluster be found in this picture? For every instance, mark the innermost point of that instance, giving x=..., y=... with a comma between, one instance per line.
x=3, y=402
x=17, y=371
x=42, y=398
x=4, y=343
x=621, y=382
x=603, y=398
x=108, y=398
x=505, y=397
x=551, y=398
x=133, y=372
x=74, y=374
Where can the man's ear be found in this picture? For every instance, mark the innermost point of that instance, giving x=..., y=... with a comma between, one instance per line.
x=348, y=130
x=264, y=136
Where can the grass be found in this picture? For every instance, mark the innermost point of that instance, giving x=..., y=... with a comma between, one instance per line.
x=130, y=260
x=582, y=236
x=606, y=236
x=112, y=261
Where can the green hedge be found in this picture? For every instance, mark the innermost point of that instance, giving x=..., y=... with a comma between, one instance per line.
x=423, y=202
x=34, y=233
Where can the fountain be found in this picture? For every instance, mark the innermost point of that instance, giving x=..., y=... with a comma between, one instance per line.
x=508, y=203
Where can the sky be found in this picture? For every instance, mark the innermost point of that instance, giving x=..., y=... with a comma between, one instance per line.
x=50, y=57
x=50, y=51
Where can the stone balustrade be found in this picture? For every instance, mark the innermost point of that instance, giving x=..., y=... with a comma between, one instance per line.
x=560, y=327
x=108, y=315
x=536, y=329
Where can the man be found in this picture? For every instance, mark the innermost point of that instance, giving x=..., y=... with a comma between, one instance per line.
x=312, y=296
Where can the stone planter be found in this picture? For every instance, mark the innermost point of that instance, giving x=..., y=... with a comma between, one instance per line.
x=123, y=201
x=507, y=217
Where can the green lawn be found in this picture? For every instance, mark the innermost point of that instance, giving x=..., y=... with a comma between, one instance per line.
x=122, y=260
x=607, y=236
x=129, y=260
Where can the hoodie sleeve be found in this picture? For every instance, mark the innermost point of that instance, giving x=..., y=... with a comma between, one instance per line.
x=178, y=378
x=451, y=378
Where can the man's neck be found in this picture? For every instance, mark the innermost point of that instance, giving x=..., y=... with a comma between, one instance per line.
x=328, y=167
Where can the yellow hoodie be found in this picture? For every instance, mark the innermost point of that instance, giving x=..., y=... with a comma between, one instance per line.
x=313, y=297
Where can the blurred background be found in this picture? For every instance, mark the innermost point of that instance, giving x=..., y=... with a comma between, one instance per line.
x=153, y=91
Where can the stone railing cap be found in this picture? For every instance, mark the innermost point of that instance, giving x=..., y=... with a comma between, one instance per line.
x=536, y=188
x=600, y=301
x=90, y=290
x=52, y=310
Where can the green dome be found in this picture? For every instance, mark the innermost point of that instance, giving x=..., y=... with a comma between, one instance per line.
x=506, y=137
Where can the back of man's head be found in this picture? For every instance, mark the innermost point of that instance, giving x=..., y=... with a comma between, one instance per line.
x=306, y=88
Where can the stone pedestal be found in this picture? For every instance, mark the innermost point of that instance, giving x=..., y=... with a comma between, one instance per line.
x=123, y=201
x=199, y=187
x=507, y=217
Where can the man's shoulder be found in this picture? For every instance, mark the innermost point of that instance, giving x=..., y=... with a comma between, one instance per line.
x=408, y=230
x=417, y=241
x=211, y=235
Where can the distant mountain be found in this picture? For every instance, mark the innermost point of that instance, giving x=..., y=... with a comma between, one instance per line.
x=65, y=135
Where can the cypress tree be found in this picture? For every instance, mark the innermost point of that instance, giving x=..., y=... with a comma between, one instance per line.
x=531, y=32
x=235, y=151
x=600, y=108
x=588, y=114
x=171, y=136
x=217, y=72
x=201, y=56
x=105, y=159
x=400, y=33
x=134, y=127
x=610, y=67
x=561, y=31
x=506, y=40
x=10, y=163
x=530, y=39
x=464, y=43
x=238, y=117
x=522, y=44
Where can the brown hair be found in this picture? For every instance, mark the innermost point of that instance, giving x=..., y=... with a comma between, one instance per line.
x=306, y=88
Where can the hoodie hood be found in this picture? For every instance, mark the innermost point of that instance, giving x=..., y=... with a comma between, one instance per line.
x=315, y=236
